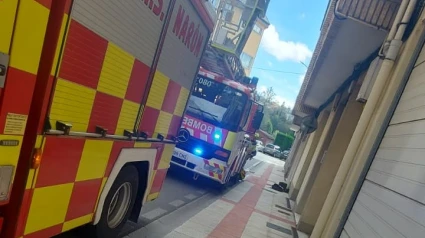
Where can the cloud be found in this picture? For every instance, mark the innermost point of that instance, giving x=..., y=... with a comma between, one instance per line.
x=284, y=50
x=288, y=102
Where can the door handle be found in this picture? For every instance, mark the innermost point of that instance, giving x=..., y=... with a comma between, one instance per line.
x=4, y=62
x=2, y=70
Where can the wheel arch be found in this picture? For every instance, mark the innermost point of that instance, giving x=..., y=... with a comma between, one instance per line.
x=143, y=170
x=144, y=160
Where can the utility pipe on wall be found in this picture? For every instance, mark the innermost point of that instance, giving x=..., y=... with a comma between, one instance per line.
x=394, y=39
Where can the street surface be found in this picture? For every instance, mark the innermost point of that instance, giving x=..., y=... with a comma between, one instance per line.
x=181, y=198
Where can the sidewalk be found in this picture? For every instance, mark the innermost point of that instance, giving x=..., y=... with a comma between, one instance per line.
x=251, y=209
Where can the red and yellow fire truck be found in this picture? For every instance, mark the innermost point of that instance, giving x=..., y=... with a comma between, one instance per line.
x=220, y=114
x=92, y=94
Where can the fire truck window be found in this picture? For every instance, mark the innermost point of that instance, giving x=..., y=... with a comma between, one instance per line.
x=217, y=103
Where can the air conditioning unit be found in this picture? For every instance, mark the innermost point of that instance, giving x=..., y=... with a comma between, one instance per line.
x=369, y=80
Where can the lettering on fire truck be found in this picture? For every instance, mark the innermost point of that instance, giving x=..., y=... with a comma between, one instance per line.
x=156, y=7
x=199, y=125
x=188, y=32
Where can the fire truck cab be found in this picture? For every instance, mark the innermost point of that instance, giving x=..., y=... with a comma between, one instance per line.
x=219, y=115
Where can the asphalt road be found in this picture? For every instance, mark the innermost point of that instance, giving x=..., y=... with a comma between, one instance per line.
x=178, y=191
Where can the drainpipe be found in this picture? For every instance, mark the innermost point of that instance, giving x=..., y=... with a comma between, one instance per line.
x=394, y=43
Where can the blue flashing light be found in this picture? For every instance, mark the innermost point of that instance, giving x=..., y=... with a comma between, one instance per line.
x=198, y=151
x=217, y=136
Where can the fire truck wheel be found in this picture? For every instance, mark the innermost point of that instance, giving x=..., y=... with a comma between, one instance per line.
x=118, y=203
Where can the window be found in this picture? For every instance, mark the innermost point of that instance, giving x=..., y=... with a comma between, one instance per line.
x=217, y=104
x=246, y=60
x=227, y=13
x=257, y=29
x=215, y=3
x=228, y=7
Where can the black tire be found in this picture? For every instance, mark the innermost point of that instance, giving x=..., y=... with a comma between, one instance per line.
x=127, y=175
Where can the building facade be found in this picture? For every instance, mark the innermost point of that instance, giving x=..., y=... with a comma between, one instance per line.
x=358, y=167
x=232, y=19
x=253, y=44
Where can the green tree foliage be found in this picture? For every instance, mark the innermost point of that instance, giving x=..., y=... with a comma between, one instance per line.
x=284, y=140
x=268, y=96
x=269, y=127
x=276, y=117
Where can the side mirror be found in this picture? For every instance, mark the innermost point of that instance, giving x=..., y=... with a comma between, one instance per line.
x=254, y=80
x=258, y=118
x=246, y=80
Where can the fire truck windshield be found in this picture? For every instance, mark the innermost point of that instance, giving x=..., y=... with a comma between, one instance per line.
x=217, y=103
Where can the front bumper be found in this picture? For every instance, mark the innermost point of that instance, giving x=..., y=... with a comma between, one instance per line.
x=211, y=169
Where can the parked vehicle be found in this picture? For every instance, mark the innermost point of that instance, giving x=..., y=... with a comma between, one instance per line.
x=277, y=152
x=272, y=150
x=90, y=105
x=260, y=146
x=269, y=149
x=285, y=154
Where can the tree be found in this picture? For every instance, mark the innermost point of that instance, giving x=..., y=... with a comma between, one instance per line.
x=269, y=127
x=268, y=96
x=257, y=96
x=277, y=118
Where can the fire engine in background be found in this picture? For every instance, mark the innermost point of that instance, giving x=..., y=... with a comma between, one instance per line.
x=222, y=115
x=219, y=115
x=92, y=95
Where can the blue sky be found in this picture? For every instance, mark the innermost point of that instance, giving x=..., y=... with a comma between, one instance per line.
x=291, y=38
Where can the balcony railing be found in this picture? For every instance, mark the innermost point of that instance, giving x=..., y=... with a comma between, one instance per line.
x=376, y=13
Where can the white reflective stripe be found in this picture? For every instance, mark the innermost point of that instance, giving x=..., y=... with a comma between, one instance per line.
x=190, y=131
x=207, y=74
x=204, y=137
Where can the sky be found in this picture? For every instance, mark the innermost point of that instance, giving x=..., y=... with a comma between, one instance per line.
x=291, y=38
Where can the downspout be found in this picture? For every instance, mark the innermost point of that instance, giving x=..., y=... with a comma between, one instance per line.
x=394, y=39
x=382, y=132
